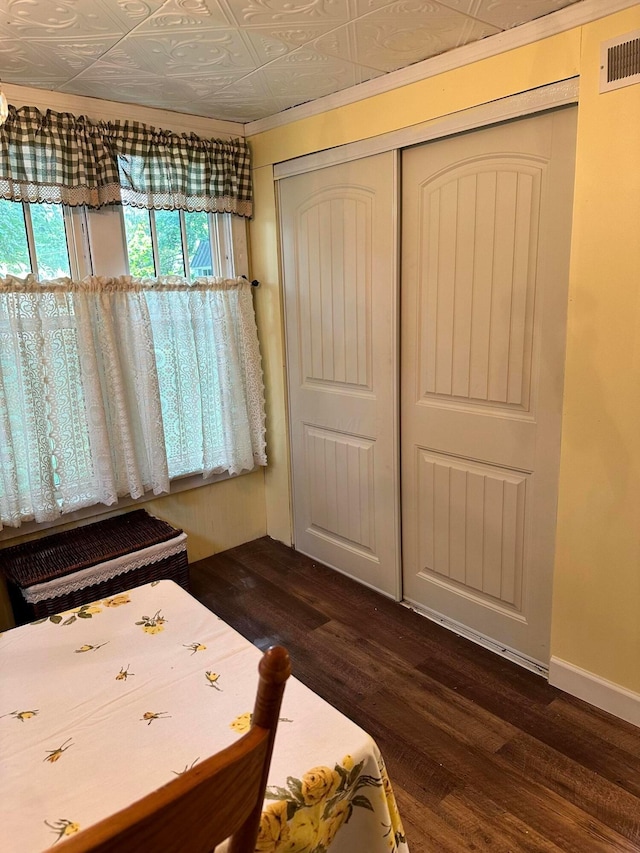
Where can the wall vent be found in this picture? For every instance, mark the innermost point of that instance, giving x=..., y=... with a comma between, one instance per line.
x=620, y=61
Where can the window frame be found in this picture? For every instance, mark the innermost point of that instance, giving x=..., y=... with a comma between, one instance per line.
x=78, y=244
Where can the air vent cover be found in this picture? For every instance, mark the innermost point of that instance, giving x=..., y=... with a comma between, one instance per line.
x=620, y=61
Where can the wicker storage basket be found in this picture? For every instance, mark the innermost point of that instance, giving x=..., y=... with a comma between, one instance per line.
x=79, y=566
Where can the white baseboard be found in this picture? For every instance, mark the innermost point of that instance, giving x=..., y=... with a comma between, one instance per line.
x=604, y=694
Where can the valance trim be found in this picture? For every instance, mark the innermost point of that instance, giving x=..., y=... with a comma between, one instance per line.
x=60, y=158
x=41, y=193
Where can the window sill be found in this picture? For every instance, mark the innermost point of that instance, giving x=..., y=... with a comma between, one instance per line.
x=93, y=513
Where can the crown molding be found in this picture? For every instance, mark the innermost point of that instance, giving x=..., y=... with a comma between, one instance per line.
x=101, y=110
x=565, y=19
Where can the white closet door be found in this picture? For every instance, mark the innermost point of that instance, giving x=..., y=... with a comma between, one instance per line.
x=485, y=256
x=338, y=230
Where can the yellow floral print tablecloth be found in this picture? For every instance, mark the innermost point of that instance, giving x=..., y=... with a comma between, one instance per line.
x=106, y=702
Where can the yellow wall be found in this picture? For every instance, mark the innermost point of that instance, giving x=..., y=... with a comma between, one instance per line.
x=597, y=575
x=596, y=617
x=264, y=262
x=218, y=516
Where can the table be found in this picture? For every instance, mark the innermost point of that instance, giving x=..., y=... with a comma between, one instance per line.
x=104, y=703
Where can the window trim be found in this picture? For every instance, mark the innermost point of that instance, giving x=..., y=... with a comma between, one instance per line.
x=78, y=245
x=31, y=240
x=185, y=247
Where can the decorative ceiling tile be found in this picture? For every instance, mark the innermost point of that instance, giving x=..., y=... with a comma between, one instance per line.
x=129, y=13
x=189, y=53
x=206, y=85
x=117, y=62
x=251, y=13
x=149, y=90
x=507, y=13
x=307, y=74
x=364, y=7
x=230, y=108
x=64, y=18
x=21, y=60
x=250, y=86
x=241, y=101
x=269, y=43
x=74, y=54
x=136, y=86
x=341, y=43
x=209, y=83
x=405, y=32
x=187, y=16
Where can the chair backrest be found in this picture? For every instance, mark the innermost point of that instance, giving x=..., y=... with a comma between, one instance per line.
x=219, y=798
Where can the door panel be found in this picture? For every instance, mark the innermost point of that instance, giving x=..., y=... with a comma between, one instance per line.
x=339, y=245
x=485, y=252
x=472, y=523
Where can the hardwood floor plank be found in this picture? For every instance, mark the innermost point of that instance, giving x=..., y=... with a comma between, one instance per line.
x=592, y=721
x=414, y=772
x=486, y=825
x=233, y=588
x=425, y=830
x=606, y=802
x=407, y=632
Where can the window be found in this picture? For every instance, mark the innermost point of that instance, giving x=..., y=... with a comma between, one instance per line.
x=195, y=362
x=175, y=242
x=53, y=240
x=36, y=238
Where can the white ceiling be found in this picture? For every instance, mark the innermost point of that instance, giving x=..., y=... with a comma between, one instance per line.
x=235, y=60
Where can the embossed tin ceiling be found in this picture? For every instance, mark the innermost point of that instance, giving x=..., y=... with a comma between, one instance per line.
x=238, y=60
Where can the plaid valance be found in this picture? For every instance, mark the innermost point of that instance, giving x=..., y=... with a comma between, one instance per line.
x=59, y=157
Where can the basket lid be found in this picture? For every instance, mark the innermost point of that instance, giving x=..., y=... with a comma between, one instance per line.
x=40, y=560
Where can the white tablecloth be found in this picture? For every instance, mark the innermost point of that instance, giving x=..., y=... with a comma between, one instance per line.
x=105, y=703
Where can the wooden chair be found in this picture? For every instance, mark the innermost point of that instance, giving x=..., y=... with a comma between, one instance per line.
x=219, y=798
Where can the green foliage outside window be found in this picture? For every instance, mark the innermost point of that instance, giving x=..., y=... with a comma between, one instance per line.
x=170, y=260
x=139, y=248
x=49, y=236
x=14, y=251
x=170, y=254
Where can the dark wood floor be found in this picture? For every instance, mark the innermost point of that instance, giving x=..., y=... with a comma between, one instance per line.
x=483, y=755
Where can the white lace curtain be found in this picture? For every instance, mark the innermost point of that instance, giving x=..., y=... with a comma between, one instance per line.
x=113, y=387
